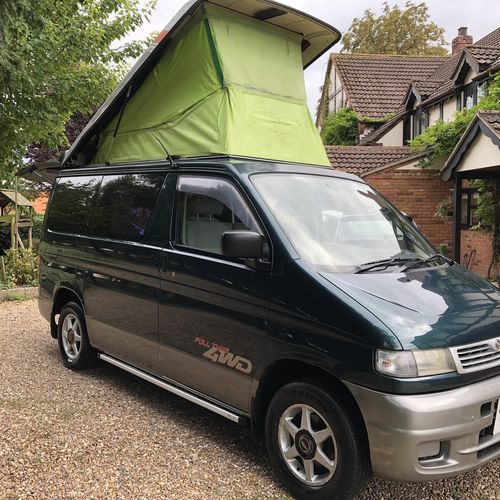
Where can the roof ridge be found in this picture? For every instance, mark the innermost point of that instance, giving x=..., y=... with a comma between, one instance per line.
x=359, y=54
x=494, y=47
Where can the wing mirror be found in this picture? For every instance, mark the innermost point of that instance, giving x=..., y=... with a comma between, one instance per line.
x=242, y=245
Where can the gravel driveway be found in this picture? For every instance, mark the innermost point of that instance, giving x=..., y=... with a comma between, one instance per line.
x=104, y=433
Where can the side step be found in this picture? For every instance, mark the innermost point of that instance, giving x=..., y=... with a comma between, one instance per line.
x=173, y=389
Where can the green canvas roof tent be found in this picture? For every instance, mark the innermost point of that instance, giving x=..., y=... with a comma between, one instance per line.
x=224, y=78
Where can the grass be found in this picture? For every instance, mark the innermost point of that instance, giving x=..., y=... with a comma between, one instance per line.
x=15, y=297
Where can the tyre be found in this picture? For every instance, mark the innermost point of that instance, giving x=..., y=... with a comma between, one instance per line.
x=317, y=443
x=76, y=351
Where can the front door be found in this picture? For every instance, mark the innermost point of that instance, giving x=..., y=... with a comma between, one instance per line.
x=213, y=310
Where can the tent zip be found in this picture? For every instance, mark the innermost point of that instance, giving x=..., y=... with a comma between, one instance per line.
x=213, y=49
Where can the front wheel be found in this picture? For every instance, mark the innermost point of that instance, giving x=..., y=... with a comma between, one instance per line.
x=76, y=351
x=317, y=443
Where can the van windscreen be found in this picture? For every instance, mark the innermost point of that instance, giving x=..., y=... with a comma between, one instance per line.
x=339, y=224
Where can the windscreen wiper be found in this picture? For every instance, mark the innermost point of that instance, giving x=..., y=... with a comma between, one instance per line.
x=383, y=263
x=422, y=262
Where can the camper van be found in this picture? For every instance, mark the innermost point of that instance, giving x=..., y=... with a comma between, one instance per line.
x=197, y=238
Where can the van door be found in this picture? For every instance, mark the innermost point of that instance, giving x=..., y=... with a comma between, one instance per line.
x=121, y=289
x=213, y=310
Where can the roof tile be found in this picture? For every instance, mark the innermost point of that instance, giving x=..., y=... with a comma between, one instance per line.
x=360, y=160
x=377, y=84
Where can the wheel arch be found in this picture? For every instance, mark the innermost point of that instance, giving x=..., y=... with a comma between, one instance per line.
x=62, y=296
x=284, y=371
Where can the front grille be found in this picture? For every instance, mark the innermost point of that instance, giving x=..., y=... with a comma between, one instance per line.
x=478, y=356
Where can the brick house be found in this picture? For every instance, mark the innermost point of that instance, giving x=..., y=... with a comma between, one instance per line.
x=394, y=171
x=396, y=98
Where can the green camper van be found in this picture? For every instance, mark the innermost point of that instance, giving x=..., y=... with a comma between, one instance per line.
x=196, y=237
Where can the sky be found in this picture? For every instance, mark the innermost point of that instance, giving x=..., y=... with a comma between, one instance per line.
x=480, y=16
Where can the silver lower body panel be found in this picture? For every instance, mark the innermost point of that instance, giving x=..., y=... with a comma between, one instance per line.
x=431, y=436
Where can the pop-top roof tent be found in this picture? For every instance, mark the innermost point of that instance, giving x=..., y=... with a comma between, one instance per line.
x=225, y=77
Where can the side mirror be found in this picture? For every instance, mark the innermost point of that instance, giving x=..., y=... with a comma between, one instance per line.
x=242, y=244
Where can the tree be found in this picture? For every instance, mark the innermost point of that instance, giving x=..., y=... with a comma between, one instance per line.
x=341, y=128
x=405, y=31
x=58, y=59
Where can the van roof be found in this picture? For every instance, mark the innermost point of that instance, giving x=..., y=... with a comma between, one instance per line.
x=235, y=166
x=317, y=38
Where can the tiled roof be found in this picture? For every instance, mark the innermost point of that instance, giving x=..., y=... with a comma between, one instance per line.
x=426, y=87
x=492, y=119
x=360, y=160
x=491, y=39
x=484, y=55
x=445, y=71
x=377, y=84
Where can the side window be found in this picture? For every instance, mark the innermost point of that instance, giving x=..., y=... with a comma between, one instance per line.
x=71, y=204
x=207, y=207
x=124, y=205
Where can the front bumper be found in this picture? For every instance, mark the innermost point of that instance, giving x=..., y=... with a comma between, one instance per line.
x=430, y=436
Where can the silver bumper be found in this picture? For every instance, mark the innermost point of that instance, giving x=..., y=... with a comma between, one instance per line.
x=430, y=436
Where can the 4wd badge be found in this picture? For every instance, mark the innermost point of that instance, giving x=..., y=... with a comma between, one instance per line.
x=222, y=355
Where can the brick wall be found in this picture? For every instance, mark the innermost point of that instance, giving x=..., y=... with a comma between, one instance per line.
x=476, y=252
x=418, y=193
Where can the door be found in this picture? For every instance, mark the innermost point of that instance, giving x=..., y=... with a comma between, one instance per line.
x=121, y=289
x=213, y=310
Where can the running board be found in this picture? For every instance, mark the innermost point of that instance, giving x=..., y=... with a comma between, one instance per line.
x=172, y=388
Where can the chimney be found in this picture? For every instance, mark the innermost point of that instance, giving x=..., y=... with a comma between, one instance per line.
x=461, y=41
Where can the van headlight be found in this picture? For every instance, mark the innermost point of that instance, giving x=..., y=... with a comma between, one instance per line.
x=419, y=363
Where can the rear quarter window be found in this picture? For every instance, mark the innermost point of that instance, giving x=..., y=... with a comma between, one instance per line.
x=71, y=205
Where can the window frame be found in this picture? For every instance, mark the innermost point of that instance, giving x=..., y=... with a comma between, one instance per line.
x=176, y=222
x=470, y=207
x=50, y=205
x=91, y=208
x=147, y=226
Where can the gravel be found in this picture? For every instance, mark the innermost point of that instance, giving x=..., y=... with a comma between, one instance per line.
x=104, y=433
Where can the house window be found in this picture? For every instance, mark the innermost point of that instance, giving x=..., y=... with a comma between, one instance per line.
x=468, y=96
x=468, y=217
x=406, y=129
x=441, y=110
x=481, y=90
x=420, y=122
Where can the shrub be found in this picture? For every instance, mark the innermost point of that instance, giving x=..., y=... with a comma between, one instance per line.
x=21, y=268
x=341, y=128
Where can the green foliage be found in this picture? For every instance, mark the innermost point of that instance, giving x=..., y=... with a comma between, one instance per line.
x=341, y=128
x=485, y=211
x=58, y=58
x=442, y=137
x=21, y=268
x=405, y=31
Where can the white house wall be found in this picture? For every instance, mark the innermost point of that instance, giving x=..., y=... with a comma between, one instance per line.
x=449, y=109
x=469, y=76
x=482, y=153
x=394, y=137
x=434, y=115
